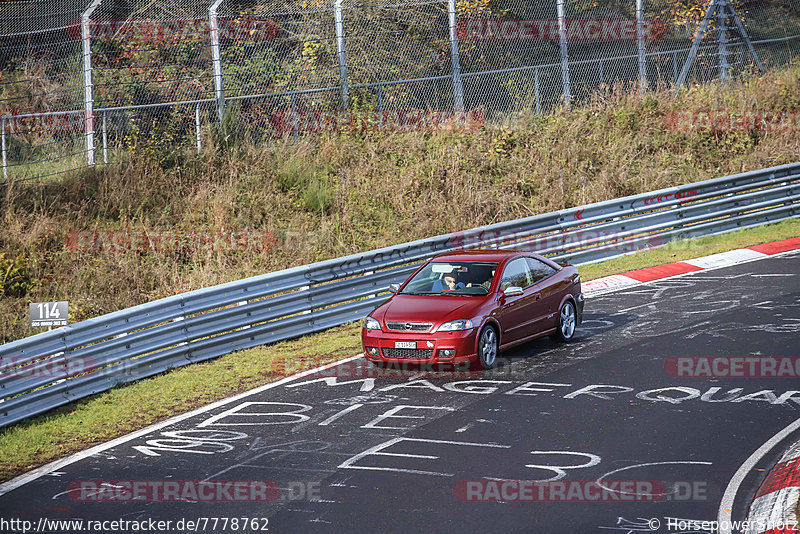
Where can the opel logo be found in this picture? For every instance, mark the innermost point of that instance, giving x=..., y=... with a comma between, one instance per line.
x=409, y=326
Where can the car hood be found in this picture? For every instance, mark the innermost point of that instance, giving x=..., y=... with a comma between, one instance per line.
x=420, y=308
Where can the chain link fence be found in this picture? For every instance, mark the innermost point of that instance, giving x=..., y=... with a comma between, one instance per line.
x=81, y=80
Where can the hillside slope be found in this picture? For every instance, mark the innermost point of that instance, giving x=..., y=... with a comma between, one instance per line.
x=332, y=195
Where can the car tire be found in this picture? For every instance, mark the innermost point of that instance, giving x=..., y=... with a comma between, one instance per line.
x=567, y=322
x=487, y=348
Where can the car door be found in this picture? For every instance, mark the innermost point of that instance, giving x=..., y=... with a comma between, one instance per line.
x=547, y=286
x=515, y=311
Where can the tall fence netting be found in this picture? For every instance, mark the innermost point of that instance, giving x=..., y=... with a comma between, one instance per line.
x=82, y=81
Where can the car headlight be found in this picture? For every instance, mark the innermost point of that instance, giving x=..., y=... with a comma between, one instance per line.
x=460, y=324
x=371, y=324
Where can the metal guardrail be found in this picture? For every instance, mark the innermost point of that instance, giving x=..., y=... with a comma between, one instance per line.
x=53, y=368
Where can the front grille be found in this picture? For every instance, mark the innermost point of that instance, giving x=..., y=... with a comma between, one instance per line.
x=409, y=327
x=408, y=354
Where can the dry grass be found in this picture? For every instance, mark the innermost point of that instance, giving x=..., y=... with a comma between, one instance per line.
x=333, y=195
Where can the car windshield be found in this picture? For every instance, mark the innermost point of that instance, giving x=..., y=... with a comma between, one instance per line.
x=465, y=278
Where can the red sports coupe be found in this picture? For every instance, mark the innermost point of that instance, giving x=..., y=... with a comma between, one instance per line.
x=469, y=305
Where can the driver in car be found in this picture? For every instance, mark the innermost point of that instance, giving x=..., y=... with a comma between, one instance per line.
x=448, y=283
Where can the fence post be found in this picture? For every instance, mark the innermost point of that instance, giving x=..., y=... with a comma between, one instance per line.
x=640, y=44
x=88, y=96
x=722, y=45
x=675, y=68
x=536, y=89
x=340, y=49
x=3, y=143
x=562, y=42
x=105, y=140
x=197, y=125
x=458, y=87
x=216, y=60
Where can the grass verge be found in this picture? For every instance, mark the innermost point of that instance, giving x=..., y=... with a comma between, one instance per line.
x=124, y=409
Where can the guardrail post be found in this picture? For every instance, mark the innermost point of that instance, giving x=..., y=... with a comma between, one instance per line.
x=105, y=140
x=216, y=60
x=373, y=295
x=340, y=49
x=244, y=303
x=308, y=299
x=197, y=125
x=88, y=97
x=3, y=142
x=562, y=44
x=458, y=86
x=640, y=45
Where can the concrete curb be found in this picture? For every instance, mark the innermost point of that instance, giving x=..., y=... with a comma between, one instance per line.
x=723, y=259
x=774, y=510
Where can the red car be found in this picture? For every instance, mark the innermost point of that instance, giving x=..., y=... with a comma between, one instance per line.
x=469, y=305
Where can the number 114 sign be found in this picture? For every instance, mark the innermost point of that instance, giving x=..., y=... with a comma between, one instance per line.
x=49, y=314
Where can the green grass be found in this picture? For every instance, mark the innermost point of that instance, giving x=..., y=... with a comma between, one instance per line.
x=692, y=248
x=127, y=408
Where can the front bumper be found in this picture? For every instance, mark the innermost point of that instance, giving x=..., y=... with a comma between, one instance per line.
x=443, y=347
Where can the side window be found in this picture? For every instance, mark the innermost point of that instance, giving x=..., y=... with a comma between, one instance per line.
x=516, y=274
x=539, y=269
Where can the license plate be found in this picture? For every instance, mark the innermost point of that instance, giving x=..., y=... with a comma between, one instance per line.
x=405, y=344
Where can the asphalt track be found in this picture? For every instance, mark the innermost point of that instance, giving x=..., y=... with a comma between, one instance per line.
x=395, y=453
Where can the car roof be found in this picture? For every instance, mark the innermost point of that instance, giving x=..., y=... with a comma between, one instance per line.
x=478, y=255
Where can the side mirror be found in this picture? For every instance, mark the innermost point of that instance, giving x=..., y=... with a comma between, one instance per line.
x=512, y=291
x=394, y=288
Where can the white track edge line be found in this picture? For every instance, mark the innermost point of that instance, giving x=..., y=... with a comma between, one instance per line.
x=46, y=469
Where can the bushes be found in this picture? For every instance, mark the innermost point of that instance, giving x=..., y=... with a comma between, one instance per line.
x=15, y=280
